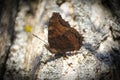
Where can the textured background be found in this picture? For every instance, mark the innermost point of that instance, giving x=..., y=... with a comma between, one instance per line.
x=24, y=57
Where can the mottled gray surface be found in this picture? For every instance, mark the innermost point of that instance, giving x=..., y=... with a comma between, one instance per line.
x=29, y=59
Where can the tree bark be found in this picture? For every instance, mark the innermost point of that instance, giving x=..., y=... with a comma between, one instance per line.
x=24, y=57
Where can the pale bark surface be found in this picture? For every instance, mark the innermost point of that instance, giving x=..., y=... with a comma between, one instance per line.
x=24, y=57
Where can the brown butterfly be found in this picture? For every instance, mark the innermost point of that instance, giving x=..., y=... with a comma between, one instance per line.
x=61, y=37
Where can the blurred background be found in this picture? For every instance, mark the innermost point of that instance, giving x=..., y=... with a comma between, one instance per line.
x=24, y=57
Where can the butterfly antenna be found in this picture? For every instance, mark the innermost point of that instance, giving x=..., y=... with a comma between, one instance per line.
x=39, y=38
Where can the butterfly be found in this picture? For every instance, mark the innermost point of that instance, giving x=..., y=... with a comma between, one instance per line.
x=61, y=37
